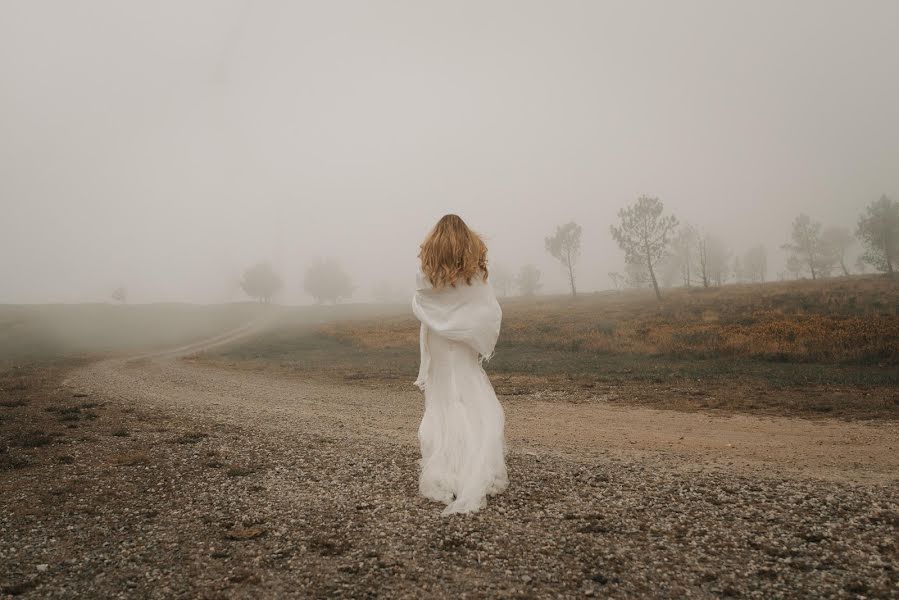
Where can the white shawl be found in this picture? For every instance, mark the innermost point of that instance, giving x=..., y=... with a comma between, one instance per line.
x=465, y=313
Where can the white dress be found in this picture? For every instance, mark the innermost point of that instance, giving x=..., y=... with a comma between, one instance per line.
x=462, y=438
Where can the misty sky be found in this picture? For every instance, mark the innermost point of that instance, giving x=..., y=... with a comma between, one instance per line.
x=165, y=146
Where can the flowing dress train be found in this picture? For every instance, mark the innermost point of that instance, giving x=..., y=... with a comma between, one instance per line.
x=462, y=438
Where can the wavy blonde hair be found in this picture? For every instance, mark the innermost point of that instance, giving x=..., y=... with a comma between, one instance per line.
x=452, y=252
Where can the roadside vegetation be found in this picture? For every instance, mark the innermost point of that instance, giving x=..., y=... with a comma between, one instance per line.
x=826, y=347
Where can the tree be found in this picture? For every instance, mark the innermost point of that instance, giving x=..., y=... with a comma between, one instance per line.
x=668, y=271
x=806, y=245
x=501, y=279
x=794, y=266
x=713, y=258
x=755, y=264
x=878, y=230
x=636, y=275
x=718, y=261
x=738, y=270
x=618, y=280
x=645, y=234
x=260, y=281
x=860, y=264
x=835, y=243
x=702, y=258
x=326, y=281
x=565, y=246
x=528, y=280
x=120, y=295
x=684, y=245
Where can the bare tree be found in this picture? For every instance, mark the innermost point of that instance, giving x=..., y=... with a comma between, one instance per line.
x=806, y=245
x=712, y=259
x=528, y=280
x=618, y=280
x=684, y=245
x=668, y=271
x=645, y=234
x=835, y=244
x=755, y=264
x=719, y=259
x=636, y=275
x=861, y=265
x=794, y=266
x=702, y=257
x=565, y=246
x=501, y=279
x=738, y=270
x=326, y=280
x=260, y=281
x=878, y=230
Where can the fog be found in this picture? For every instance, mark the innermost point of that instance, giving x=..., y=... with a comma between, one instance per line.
x=166, y=146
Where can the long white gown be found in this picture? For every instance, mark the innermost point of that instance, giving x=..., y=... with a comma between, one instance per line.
x=462, y=437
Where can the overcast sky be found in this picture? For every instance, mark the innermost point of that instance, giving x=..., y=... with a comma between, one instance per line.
x=165, y=146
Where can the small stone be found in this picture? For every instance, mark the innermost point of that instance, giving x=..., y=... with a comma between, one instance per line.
x=43, y=567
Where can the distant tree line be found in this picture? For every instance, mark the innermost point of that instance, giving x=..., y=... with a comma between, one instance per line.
x=324, y=280
x=526, y=281
x=659, y=251
x=817, y=252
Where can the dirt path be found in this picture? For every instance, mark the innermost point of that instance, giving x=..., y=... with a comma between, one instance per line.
x=825, y=449
x=158, y=477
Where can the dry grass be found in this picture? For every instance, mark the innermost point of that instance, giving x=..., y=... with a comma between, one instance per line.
x=68, y=413
x=239, y=471
x=852, y=320
x=32, y=439
x=13, y=403
x=191, y=437
x=824, y=348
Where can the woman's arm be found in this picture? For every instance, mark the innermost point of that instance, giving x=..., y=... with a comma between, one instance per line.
x=425, y=357
x=421, y=284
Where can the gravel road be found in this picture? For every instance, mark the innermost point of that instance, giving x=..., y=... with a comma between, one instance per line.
x=240, y=484
x=537, y=424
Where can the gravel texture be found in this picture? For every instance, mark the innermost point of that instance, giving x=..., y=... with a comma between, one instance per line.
x=187, y=483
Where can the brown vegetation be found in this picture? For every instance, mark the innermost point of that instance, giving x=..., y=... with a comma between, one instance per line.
x=810, y=348
x=847, y=320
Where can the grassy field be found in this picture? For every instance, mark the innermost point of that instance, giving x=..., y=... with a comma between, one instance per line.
x=837, y=321
x=826, y=348
x=812, y=348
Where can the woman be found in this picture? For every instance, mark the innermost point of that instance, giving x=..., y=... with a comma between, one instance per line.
x=461, y=434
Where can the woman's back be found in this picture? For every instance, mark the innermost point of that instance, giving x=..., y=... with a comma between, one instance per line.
x=462, y=430
x=449, y=356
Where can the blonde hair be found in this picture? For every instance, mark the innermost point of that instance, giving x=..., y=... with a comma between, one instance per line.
x=452, y=252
